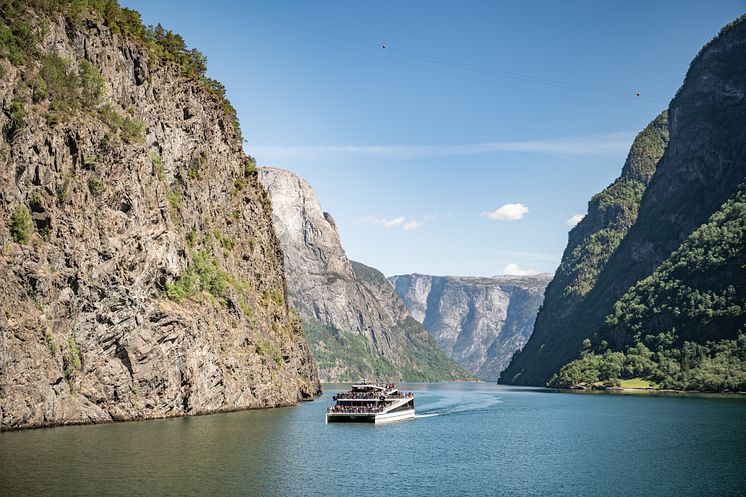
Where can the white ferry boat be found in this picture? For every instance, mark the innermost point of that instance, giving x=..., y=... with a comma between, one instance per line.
x=371, y=403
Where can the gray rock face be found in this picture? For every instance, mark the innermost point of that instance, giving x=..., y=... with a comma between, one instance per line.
x=328, y=289
x=322, y=283
x=87, y=331
x=479, y=322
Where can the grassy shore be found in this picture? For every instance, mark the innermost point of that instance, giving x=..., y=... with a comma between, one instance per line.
x=637, y=383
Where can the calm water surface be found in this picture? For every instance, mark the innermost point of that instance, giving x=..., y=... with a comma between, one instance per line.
x=468, y=439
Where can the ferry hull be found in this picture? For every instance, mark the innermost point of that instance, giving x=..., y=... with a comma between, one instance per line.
x=386, y=417
x=394, y=416
x=350, y=418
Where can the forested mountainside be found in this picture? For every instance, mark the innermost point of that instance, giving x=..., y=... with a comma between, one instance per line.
x=141, y=274
x=667, y=301
x=356, y=325
x=478, y=322
x=683, y=326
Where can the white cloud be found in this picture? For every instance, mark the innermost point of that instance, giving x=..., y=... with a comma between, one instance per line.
x=369, y=220
x=403, y=222
x=589, y=145
x=381, y=221
x=508, y=212
x=410, y=225
x=390, y=223
x=574, y=219
x=515, y=270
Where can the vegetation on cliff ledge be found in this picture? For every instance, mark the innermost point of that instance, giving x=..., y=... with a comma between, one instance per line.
x=21, y=224
x=67, y=90
x=615, y=210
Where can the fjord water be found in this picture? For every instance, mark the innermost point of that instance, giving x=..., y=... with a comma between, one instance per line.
x=468, y=439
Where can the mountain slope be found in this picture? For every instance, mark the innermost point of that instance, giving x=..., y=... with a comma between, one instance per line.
x=702, y=167
x=591, y=244
x=478, y=322
x=136, y=273
x=356, y=325
x=683, y=326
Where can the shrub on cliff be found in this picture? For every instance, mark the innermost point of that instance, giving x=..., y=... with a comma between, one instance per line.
x=17, y=119
x=91, y=84
x=16, y=35
x=21, y=224
x=203, y=274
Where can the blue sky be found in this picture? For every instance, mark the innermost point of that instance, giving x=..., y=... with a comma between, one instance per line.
x=469, y=142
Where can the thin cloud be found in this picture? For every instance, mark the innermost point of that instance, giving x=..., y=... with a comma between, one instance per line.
x=515, y=270
x=407, y=224
x=370, y=220
x=590, y=145
x=382, y=221
x=508, y=212
x=574, y=219
x=394, y=222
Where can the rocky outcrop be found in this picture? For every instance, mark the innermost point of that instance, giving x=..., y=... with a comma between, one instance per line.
x=150, y=281
x=698, y=163
x=479, y=322
x=357, y=325
x=322, y=284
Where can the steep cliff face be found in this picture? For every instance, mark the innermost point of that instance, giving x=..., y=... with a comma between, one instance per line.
x=322, y=283
x=356, y=325
x=141, y=274
x=702, y=167
x=590, y=244
x=478, y=322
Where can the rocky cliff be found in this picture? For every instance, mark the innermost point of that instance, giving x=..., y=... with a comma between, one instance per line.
x=357, y=326
x=478, y=322
x=633, y=303
x=141, y=274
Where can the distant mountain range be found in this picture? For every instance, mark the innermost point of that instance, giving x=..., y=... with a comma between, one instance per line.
x=478, y=322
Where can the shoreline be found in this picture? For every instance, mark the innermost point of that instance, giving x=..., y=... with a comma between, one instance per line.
x=631, y=390
x=89, y=422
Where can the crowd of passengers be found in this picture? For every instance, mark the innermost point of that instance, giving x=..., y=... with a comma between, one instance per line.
x=369, y=395
x=359, y=409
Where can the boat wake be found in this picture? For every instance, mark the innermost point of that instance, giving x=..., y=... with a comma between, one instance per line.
x=450, y=405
